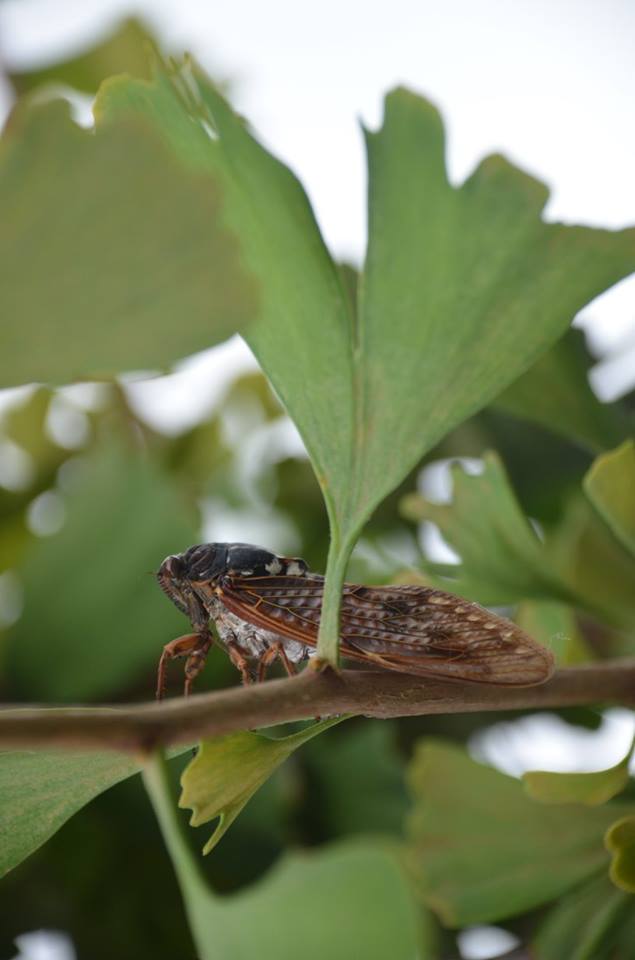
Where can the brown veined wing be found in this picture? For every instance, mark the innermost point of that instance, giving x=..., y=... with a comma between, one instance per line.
x=410, y=629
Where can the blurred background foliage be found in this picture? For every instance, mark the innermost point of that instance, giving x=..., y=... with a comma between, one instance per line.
x=93, y=495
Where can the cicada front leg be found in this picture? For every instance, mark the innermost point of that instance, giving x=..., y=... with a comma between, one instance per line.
x=195, y=662
x=195, y=647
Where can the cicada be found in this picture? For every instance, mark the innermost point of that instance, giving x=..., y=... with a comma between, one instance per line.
x=266, y=607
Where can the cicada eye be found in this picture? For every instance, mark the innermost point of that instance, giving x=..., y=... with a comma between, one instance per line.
x=172, y=567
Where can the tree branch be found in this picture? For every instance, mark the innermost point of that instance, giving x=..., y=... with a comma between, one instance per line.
x=142, y=727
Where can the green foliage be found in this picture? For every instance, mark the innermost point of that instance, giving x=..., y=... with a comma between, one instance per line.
x=163, y=231
x=244, y=761
x=300, y=289
x=554, y=624
x=400, y=385
x=462, y=325
x=339, y=882
x=590, y=788
x=360, y=781
x=620, y=842
x=609, y=486
x=321, y=901
x=578, y=562
x=503, y=559
x=113, y=269
x=41, y=791
x=127, y=50
x=555, y=392
x=481, y=850
x=70, y=579
x=593, y=922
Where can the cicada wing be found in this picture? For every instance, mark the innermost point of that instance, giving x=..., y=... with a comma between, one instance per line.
x=425, y=631
x=410, y=629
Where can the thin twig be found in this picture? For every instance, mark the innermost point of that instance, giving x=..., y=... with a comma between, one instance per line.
x=140, y=728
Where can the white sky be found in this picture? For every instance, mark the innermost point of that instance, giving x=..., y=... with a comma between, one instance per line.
x=551, y=84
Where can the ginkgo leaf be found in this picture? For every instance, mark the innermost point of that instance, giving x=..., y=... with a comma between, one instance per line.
x=92, y=618
x=578, y=562
x=128, y=48
x=503, y=559
x=620, y=842
x=592, y=788
x=554, y=625
x=462, y=290
x=113, y=256
x=40, y=791
x=593, y=922
x=556, y=393
x=483, y=850
x=227, y=771
x=610, y=486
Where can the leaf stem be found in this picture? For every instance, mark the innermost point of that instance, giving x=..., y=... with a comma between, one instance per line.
x=194, y=888
x=157, y=783
x=329, y=633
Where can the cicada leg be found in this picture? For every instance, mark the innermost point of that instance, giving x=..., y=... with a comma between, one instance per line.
x=275, y=650
x=238, y=658
x=195, y=647
x=195, y=663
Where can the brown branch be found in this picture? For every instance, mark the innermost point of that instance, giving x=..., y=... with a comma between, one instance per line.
x=139, y=728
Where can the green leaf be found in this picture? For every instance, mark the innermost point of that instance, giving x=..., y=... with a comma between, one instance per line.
x=620, y=842
x=503, y=560
x=41, y=791
x=128, y=49
x=579, y=564
x=112, y=256
x=360, y=776
x=590, y=788
x=543, y=469
x=462, y=291
x=271, y=918
x=227, y=771
x=93, y=615
x=15, y=538
x=587, y=556
x=304, y=316
x=481, y=850
x=303, y=334
x=554, y=625
x=610, y=486
x=586, y=925
x=25, y=424
x=344, y=901
x=555, y=393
